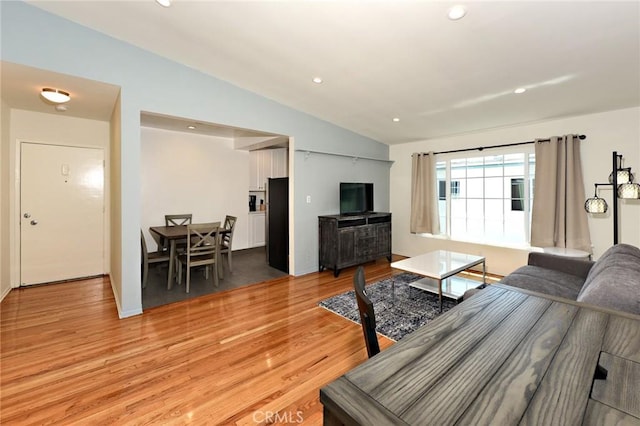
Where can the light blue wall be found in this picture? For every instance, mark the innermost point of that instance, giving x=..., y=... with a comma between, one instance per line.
x=320, y=176
x=148, y=82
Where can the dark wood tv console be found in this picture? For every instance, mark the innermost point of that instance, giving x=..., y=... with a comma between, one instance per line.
x=353, y=239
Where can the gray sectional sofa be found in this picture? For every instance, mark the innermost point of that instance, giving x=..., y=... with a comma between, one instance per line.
x=613, y=281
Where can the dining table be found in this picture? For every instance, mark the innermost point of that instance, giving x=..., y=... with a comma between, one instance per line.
x=175, y=234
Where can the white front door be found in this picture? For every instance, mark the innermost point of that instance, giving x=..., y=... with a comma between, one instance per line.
x=61, y=213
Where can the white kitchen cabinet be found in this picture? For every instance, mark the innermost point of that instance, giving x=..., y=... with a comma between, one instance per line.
x=253, y=171
x=264, y=164
x=257, y=229
x=279, y=163
x=259, y=169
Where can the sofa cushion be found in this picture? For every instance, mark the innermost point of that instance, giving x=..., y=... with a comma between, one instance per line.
x=614, y=280
x=545, y=281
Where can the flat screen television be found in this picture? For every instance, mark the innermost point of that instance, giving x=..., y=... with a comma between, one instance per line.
x=356, y=198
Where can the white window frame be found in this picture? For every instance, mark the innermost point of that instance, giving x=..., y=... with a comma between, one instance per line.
x=445, y=228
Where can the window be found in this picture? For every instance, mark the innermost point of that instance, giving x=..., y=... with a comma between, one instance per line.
x=442, y=191
x=487, y=199
x=455, y=188
x=517, y=194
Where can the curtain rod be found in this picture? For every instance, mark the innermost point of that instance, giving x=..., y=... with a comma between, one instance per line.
x=480, y=148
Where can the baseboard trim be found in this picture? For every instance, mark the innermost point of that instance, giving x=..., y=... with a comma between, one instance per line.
x=4, y=293
x=123, y=314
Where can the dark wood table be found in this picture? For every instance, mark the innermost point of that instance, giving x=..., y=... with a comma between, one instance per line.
x=503, y=357
x=174, y=234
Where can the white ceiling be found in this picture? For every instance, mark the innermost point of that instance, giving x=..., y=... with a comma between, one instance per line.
x=21, y=86
x=393, y=58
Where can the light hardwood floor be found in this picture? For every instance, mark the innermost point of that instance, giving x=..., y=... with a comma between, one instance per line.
x=228, y=358
x=235, y=357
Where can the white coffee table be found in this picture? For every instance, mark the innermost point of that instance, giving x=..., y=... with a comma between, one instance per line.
x=439, y=267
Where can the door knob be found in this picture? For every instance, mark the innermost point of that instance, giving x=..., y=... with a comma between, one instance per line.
x=27, y=215
x=34, y=222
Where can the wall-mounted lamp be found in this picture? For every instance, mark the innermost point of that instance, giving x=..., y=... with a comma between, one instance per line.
x=621, y=179
x=56, y=96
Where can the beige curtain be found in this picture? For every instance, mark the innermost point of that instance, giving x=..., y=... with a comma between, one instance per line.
x=558, y=218
x=424, y=197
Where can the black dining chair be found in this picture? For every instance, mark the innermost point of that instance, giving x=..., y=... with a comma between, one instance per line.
x=367, y=315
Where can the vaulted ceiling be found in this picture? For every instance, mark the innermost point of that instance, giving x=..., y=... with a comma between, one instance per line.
x=388, y=59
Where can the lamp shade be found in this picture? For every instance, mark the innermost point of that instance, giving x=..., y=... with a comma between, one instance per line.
x=623, y=176
x=55, y=95
x=596, y=205
x=629, y=190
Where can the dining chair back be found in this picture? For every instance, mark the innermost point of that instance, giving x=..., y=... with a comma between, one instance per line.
x=367, y=315
x=202, y=250
x=160, y=242
x=150, y=258
x=227, y=239
x=177, y=219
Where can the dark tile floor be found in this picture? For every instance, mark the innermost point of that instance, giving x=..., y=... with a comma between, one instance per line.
x=249, y=266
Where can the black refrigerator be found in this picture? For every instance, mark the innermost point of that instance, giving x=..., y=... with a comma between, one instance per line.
x=277, y=226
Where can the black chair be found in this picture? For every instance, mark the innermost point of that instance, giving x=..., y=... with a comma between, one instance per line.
x=367, y=316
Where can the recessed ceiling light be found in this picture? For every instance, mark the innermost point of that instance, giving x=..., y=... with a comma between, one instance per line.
x=520, y=90
x=191, y=127
x=395, y=119
x=317, y=80
x=164, y=3
x=457, y=12
x=55, y=95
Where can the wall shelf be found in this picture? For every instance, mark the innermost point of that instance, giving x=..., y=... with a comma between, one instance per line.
x=354, y=158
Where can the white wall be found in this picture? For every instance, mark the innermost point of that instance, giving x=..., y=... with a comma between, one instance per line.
x=57, y=129
x=5, y=124
x=190, y=173
x=614, y=130
x=115, y=183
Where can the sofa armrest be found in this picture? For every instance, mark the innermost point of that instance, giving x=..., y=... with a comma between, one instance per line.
x=569, y=265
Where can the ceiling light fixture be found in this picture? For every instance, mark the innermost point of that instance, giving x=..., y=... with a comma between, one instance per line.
x=396, y=119
x=164, y=3
x=55, y=95
x=317, y=80
x=457, y=12
x=520, y=90
x=191, y=127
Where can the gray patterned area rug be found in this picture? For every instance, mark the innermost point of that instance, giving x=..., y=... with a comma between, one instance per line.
x=412, y=307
